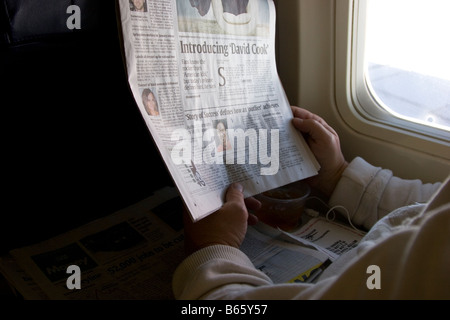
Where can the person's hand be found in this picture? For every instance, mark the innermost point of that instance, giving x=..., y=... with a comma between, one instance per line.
x=324, y=143
x=226, y=226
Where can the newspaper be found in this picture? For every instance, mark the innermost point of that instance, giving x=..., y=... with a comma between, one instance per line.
x=204, y=77
x=327, y=236
x=131, y=254
x=281, y=261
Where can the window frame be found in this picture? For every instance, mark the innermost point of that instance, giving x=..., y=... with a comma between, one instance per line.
x=358, y=107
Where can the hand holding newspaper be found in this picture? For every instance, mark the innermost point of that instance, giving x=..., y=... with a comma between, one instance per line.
x=204, y=77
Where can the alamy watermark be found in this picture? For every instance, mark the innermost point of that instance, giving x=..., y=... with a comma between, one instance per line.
x=374, y=280
x=73, y=281
x=219, y=145
x=74, y=20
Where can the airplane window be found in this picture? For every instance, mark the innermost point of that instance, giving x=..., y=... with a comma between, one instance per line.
x=407, y=52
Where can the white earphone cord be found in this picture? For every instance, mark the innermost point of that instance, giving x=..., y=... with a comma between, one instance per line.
x=331, y=210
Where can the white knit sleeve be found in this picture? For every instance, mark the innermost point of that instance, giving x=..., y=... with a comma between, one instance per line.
x=216, y=269
x=369, y=193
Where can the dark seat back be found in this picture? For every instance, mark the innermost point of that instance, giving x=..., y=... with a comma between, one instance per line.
x=75, y=146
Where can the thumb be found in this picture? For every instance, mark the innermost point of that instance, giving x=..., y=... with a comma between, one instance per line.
x=298, y=123
x=235, y=193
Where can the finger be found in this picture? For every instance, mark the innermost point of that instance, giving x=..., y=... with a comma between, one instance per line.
x=235, y=197
x=301, y=113
x=235, y=193
x=305, y=114
x=252, y=219
x=315, y=129
x=252, y=203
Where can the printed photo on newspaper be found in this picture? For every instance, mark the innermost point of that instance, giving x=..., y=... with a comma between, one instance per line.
x=204, y=77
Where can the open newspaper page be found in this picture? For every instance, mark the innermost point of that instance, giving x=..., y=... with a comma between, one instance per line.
x=203, y=74
x=19, y=280
x=327, y=236
x=318, y=232
x=131, y=254
x=281, y=261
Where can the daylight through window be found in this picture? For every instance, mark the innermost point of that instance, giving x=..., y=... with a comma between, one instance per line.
x=407, y=59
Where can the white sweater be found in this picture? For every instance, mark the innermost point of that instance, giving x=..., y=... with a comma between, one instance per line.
x=408, y=241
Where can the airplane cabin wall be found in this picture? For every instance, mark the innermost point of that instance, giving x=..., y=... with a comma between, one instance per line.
x=306, y=66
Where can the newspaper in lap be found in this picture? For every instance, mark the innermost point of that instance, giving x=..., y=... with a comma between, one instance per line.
x=204, y=77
